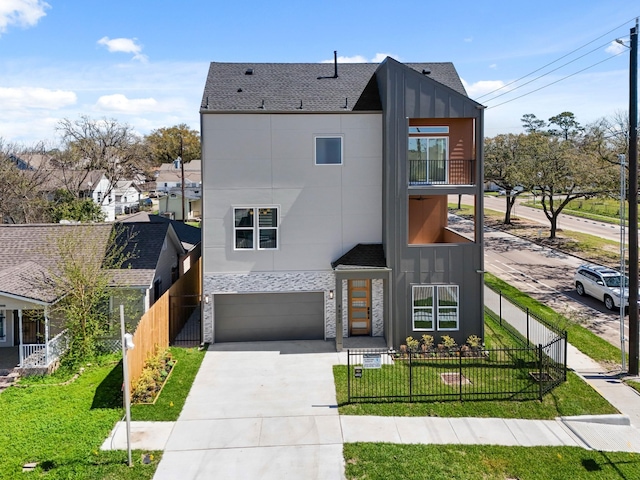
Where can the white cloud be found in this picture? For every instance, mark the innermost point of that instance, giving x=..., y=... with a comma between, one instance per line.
x=615, y=48
x=377, y=58
x=124, y=45
x=23, y=13
x=121, y=104
x=493, y=66
x=483, y=87
x=30, y=97
x=468, y=39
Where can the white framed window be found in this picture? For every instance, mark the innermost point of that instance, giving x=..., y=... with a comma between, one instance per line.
x=255, y=228
x=435, y=305
x=328, y=150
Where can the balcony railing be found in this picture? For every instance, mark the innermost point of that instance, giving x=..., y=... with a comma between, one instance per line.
x=442, y=172
x=43, y=355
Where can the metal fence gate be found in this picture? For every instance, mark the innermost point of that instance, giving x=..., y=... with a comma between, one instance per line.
x=184, y=321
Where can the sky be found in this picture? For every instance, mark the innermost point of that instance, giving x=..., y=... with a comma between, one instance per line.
x=144, y=62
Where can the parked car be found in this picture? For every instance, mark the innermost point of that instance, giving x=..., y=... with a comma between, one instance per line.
x=146, y=202
x=153, y=194
x=602, y=283
x=514, y=191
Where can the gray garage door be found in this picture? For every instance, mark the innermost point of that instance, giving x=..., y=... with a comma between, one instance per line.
x=269, y=316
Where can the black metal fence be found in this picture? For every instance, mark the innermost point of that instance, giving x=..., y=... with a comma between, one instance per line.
x=524, y=373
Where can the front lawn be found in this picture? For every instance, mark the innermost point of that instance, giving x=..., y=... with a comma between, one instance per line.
x=61, y=427
x=375, y=461
x=60, y=422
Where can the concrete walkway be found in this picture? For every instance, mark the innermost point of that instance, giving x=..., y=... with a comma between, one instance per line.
x=269, y=411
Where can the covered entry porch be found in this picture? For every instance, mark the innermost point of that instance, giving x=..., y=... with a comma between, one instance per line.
x=363, y=295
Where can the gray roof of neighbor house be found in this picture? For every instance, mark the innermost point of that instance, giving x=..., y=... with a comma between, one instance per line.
x=307, y=87
x=188, y=235
x=30, y=254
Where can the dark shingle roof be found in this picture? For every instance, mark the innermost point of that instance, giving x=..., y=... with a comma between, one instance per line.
x=283, y=86
x=189, y=236
x=366, y=255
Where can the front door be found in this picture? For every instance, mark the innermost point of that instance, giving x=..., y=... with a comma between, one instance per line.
x=359, y=307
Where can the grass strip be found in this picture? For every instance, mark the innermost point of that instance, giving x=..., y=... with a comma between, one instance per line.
x=580, y=337
x=376, y=461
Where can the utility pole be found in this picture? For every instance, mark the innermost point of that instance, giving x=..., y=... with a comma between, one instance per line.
x=184, y=218
x=634, y=339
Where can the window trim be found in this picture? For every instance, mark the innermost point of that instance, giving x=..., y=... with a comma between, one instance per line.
x=436, y=308
x=315, y=149
x=3, y=326
x=255, y=228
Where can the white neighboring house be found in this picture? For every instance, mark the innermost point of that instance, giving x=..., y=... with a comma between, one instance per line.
x=170, y=205
x=170, y=176
x=127, y=195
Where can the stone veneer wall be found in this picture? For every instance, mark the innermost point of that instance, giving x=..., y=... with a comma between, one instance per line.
x=266, y=282
x=377, y=308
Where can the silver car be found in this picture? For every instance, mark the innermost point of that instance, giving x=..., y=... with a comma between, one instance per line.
x=602, y=283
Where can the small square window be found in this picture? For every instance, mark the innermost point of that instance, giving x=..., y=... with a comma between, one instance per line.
x=328, y=150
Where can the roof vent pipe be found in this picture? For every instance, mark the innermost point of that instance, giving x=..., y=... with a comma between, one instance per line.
x=335, y=64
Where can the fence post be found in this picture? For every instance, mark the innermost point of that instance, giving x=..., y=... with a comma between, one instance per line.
x=564, y=370
x=540, y=371
x=348, y=376
x=410, y=376
x=500, y=303
x=460, y=375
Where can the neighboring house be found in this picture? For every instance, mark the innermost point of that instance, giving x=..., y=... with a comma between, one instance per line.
x=171, y=205
x=325, y=202
x=127, y=196
x=170, y=175
x=32, y=254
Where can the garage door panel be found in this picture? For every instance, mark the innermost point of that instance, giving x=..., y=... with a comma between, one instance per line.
x=269, y=316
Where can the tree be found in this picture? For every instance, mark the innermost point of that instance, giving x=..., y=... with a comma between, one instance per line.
x=503, y=157
x=563, y=171
x=105, y=145
x=65, y=206
x=532, y=124
x=23, y=177
x=167, y=144
x=568, y=126
x=87, y=254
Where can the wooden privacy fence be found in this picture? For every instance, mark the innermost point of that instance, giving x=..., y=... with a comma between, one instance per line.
x=153, y=329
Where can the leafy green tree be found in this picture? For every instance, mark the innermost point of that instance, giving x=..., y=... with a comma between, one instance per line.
x=65, y=206
x=568, y=126
x=503, y=158
x=167, y=144
x=87, y=256
x=532, y=124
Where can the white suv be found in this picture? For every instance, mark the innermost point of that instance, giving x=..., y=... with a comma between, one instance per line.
x=602, y=283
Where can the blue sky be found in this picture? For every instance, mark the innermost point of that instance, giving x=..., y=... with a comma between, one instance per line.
x=144, y=62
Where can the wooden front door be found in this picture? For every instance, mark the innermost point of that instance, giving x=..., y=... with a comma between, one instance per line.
x=359, y=307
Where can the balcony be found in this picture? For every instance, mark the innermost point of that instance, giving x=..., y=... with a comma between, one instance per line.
x=442, y=172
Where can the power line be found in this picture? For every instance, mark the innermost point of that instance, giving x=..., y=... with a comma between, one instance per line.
x=556, y=60
x=557, y=81
x=549, y=72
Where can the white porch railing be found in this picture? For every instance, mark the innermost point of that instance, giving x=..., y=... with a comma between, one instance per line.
x=43, y=355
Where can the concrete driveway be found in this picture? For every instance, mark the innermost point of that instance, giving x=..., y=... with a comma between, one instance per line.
x=259, y=410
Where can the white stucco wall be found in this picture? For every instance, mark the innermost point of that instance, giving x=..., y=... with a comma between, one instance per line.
x=268, y=160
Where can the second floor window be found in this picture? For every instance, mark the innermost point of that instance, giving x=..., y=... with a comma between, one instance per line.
x=328, y=150
x=255, y=228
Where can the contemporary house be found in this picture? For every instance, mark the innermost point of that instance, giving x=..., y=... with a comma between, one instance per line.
x=325, y=212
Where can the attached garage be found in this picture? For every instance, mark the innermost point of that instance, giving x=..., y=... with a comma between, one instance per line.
x=252, y=317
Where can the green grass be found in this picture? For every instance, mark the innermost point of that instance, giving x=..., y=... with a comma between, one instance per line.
x=580, y=337
x=62, y=427
x=602, y=209
x=574, y=397
x=374, y=461
x=169, y=404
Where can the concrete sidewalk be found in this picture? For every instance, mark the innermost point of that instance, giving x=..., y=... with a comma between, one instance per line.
x=272, y=414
